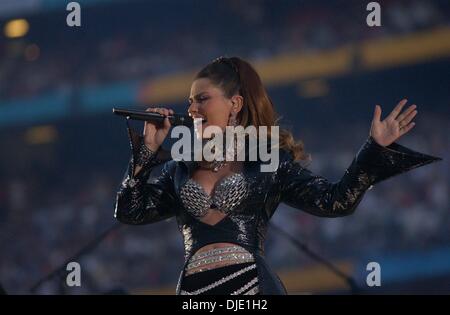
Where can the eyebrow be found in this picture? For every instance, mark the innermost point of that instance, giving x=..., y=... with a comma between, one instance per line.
x=196, y=96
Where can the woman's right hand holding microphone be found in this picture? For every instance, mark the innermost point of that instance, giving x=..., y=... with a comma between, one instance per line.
x=155, y=133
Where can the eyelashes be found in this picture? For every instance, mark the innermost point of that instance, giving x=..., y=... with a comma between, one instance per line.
x=200, y=100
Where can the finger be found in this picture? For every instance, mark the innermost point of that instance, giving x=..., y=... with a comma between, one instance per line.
x=406, y=112
x=397, y=109
x=377, y=113
x=171, y=111
x=148, y=124
x=167, y=123
x=407, y=128
x=408, y=119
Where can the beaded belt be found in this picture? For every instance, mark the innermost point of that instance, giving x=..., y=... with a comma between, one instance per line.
x=231, y=254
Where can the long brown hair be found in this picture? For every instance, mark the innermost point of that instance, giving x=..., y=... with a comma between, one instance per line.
x=236, y=76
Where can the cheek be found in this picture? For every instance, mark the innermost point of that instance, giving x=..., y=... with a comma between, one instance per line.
x=216, y=114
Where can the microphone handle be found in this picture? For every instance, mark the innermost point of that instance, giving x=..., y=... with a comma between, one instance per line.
x=175, y=119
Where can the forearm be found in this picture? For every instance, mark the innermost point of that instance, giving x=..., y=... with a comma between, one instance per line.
x=141, y=197
x=146, y=198
x=315, y=194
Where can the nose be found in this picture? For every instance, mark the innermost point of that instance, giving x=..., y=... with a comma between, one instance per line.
x=193, y=108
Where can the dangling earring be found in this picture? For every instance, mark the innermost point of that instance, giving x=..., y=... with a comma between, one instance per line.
x=232, y=121
x=215, y=166
x=231, y=151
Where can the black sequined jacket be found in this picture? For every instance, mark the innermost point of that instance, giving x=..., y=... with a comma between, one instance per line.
x=154, y=195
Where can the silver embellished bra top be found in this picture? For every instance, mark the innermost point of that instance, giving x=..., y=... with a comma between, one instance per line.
x=228, y=194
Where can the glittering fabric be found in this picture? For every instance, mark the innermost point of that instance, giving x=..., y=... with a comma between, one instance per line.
x=155, y=194
x=228, y=194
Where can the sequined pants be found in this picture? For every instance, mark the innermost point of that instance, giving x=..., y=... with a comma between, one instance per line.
x=237, y=279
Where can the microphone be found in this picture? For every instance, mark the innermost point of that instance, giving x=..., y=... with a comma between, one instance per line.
x=175, y=119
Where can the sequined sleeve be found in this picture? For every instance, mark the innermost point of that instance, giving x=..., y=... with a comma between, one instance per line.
x=147, y=197
x=302, y=189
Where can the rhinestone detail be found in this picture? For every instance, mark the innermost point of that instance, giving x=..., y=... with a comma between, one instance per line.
x=245, y=287
x=217, y=251
x=229, y=193
x=219, y=282
x=252, y=291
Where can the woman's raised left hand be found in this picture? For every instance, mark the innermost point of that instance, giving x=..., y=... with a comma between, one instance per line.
x=395, y=125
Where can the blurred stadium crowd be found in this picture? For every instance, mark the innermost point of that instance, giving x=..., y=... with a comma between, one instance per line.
x=51, y=209
x=149, y=45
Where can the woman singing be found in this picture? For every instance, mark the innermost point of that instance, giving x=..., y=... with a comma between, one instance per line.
x=223, y=207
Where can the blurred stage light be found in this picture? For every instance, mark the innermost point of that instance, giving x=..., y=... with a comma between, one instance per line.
x=32, y=52
x=313, y=88
x=41, y=135
x=16, y=28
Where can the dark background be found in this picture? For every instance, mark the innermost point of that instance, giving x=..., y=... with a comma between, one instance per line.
x=63, y=154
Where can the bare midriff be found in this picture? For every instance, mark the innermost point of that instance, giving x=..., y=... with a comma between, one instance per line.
x=216, y=264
